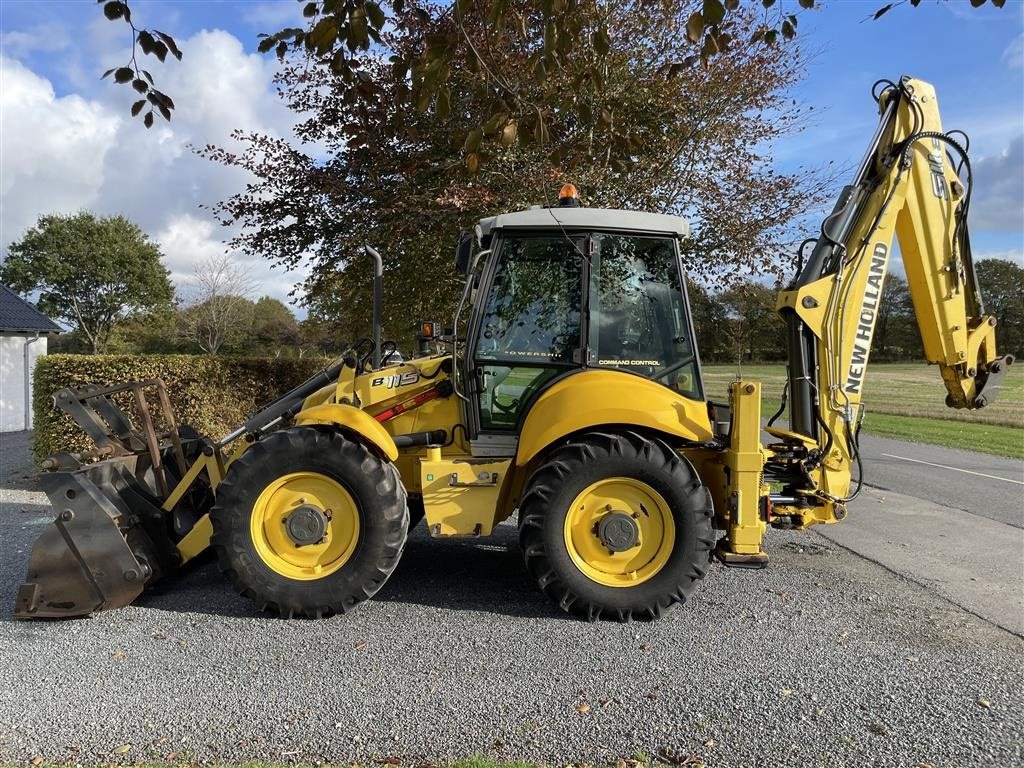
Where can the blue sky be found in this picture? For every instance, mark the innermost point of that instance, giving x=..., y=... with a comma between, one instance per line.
x=66, y=141
x=973, y=57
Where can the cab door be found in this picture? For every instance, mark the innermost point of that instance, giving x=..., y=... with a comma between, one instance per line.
x=528, y=329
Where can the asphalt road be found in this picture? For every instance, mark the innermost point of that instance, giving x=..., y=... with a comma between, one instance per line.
x=831, y=657
x=990, y=486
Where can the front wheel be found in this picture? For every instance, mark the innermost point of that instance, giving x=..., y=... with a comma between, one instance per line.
x=309, y=522
x=616, y=525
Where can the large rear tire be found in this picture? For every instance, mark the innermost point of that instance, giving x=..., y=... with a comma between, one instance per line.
x=616, y=525
x=309, y=522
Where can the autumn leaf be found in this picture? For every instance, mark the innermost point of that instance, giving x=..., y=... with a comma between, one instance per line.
x=714, y=12
x=583, y=708
x=695, y=27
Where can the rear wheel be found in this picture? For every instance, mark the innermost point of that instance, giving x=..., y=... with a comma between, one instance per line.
x=309, y=522
x=616, y=525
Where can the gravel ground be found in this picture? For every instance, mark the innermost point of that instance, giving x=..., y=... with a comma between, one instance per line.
x=825, y=659
x=17, y=472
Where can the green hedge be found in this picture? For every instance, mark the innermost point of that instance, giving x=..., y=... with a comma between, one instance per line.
x=213, y=394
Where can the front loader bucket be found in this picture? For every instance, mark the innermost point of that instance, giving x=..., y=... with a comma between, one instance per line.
x=112, y=536
x=99, y=553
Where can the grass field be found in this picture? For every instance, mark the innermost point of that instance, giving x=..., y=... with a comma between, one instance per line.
x=902, y=400
x=907, y=401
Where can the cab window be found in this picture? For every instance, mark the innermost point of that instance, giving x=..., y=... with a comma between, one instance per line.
x=638, y=315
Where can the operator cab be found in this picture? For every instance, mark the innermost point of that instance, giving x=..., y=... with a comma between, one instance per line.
x=567, y=288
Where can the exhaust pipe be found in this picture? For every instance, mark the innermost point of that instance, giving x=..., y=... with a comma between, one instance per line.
x=378, y=301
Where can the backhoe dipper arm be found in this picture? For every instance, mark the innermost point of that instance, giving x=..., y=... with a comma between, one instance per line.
x=908, y=185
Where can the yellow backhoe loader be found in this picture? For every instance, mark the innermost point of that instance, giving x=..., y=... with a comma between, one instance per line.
x=570, y=396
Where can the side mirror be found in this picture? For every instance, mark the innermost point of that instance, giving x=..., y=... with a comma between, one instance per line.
x=463, y=253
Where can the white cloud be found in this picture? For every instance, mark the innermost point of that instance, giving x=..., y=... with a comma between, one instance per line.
x=1016, y=255
x=42, y=38
x=998, y=199
x=185, y=241
x=71, y=153
x=188, y=240
x=221, y=87
x=52, y=150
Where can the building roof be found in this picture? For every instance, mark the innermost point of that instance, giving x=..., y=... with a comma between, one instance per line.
x=587, y=218
x=16, y=314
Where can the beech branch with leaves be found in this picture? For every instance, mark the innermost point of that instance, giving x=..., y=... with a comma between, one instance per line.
x=573, y=34
x=151, y=43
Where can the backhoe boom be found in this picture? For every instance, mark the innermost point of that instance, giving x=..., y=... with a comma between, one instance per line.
x=908, y=186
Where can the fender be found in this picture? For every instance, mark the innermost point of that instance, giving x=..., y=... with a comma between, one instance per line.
x=351, y=418
x=598, y=398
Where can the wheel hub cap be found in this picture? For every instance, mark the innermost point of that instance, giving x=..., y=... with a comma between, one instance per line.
x=618, y=531
x=306, y=525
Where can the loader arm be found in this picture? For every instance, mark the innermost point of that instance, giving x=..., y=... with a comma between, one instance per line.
x=908, y=186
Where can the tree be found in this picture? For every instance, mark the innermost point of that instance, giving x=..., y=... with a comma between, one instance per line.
x=151, y=42
x=274, y=328
x=756, y=330
x=380, y=173
x=896, y=334
x=573, y=38
x=1002, y=288
x=91, y=273
x=710, y=320
x=216, y=303
x=320, y=337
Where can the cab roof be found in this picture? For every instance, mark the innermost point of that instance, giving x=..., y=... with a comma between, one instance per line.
x=587, y=219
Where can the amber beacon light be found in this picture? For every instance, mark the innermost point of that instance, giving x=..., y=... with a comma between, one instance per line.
x=568, y=196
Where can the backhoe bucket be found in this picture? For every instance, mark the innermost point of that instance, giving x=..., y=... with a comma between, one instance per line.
x=111, y=537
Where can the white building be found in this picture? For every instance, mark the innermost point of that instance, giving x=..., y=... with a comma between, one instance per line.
x=23, y=334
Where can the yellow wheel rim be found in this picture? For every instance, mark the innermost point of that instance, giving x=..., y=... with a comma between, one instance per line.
x=317, y=494
x=655, y=532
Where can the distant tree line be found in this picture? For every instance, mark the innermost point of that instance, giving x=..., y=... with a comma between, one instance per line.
x=104, y=280
x=265, y=327
x=740, y=322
